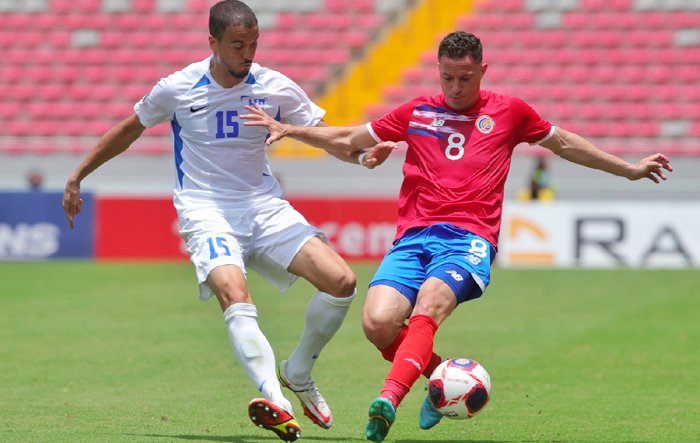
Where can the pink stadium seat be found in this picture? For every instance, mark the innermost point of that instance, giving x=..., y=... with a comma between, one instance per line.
x=160, y=130
x=498, y=6
x=355, y=5
x=155, y=21
x=606, y=5
x=335, y=56
x=304, y=38
x=48, y=92
x=287, y=21
x=63, y=6
x=8, y=107
x=327, y=21
x=413, y=75
x=397, y=94
x=12, y=73
x=516, y=20
x=377, y=110
x=695, y=131
x=14, y=21
x=81, y=20
x=58, y=39
x=335, y=5
x=681, y=20
x=198, y=5
x=357, y=39
x=140, y=6
x=368, y=21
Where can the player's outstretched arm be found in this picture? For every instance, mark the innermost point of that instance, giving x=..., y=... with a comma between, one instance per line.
x=353, y=144
x=370, y=157
x=113, y=143
x=576, y=149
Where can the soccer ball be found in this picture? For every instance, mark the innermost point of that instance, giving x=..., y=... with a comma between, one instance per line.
x=459, y=388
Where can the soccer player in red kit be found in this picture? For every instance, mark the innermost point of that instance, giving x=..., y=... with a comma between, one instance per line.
x=460, y=144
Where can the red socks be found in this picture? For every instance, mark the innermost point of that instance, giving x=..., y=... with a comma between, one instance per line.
x=413, y=356
x=390, y=351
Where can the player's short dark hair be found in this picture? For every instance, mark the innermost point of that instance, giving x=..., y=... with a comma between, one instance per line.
x=458, y=45
x=230, y=12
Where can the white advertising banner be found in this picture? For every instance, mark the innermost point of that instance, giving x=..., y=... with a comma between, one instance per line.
x=597, y=234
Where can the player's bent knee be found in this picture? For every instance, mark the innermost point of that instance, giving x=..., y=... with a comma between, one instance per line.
x=230, y=294
x=438, y=309
x=379, y=332
x=344, y=285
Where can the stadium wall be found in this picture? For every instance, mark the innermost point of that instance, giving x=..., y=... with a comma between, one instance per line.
x=588, y=234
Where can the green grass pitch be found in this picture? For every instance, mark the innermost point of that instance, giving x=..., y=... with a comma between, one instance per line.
x=124, y=352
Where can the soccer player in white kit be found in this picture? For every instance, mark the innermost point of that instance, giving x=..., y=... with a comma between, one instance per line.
x=231, y=210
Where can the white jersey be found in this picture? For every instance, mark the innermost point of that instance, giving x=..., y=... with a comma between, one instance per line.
x=216, y=156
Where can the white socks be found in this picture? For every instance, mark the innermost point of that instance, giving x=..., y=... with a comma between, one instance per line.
x=254, y=351
x=324, y=315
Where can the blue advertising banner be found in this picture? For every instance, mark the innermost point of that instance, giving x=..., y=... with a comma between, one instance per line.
x=34, y=227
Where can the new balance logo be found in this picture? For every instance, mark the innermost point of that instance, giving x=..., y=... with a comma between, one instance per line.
x=455, y=275
x=438, y=122
x=473, y=259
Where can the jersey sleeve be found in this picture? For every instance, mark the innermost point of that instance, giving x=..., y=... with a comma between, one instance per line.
x=392, y=126
x=529, y=126
x=296, y=108
x=158, y=105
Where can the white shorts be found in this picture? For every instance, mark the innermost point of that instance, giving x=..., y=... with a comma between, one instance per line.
x=264, y=233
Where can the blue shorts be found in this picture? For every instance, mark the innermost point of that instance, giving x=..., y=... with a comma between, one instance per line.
x=456, y=256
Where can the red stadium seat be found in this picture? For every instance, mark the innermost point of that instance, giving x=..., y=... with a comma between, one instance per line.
x=287, y=21
x=344, y=5
x=327, y=21
x=606, y=5
x=504, y=6
x=198, y=5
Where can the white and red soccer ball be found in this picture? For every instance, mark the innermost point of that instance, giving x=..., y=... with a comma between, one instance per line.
x=459, y=388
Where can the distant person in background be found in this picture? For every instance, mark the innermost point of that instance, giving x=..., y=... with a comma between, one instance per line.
x=460, y=144
x=231, y=211
x=540, y=184
x=35, y=180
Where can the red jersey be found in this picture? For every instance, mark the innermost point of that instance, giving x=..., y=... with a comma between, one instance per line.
x=457, y=162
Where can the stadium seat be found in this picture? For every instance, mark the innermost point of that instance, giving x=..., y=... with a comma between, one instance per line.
x=505, y=6
x=606, y=5
x=355, y=5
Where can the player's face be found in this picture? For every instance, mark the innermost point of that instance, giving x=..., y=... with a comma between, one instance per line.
x=460, y=81
x=234, y=53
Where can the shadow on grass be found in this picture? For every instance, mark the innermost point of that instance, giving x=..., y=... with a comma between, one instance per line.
x=239, y=438
x=503, y=441
x=259, y=438
x=464, y=441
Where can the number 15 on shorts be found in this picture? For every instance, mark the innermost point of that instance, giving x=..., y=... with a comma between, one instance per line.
x=218, y=247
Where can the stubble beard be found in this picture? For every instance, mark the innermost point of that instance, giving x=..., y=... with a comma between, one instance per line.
x=239, y=75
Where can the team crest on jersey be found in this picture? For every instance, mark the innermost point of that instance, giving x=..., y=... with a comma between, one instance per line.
x=485, y=124
x=252, y=101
